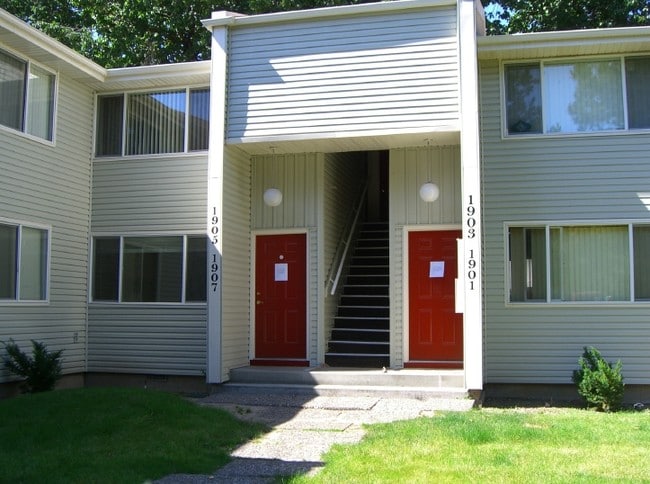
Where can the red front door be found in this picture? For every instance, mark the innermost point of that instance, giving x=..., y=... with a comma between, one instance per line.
x=280, y=299
x=435, y=329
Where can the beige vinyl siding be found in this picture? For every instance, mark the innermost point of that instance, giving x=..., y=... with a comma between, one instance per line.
x=348, y=75
x=49, y=185
x=157, y=195
x=236, y=268
x=150, y=194
x=147, y=339
x=553, y=179
x=298, y=176
x=343, y=181
x=409, y=169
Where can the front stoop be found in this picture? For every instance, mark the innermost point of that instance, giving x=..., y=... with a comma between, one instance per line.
x=407, y=383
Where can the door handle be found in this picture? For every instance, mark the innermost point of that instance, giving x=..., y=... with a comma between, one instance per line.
x=258, y=302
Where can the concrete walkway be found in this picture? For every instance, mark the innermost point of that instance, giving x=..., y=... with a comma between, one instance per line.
x=305, y=425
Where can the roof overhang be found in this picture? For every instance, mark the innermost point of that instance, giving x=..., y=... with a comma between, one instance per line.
x=541, y=45
x=230, y=19
x=21, y=37
x=155, y=77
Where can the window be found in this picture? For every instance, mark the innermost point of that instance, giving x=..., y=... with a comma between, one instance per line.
x=23, y=263
x=26, y=97
x=153, y=122
x=149, y=269
x=577, y=97
x=579, y=263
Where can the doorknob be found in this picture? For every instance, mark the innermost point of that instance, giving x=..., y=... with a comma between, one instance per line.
x=258, y=302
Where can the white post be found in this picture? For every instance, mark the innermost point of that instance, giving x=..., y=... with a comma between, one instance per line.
x=215, y=198
x=471, y=190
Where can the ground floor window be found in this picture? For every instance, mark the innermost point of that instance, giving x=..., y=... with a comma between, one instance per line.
x=23, y=262
x=164, y=268
x=557, y=263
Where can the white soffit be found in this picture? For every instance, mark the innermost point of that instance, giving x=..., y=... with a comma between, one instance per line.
x=156, y=76
x=565, y=43
x=338, y=143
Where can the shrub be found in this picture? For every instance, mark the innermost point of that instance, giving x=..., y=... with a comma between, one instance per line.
x=41, y=370
x=600, y=383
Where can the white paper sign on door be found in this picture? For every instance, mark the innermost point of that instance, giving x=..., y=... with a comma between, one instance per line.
x=436, y=269
x=282, y=272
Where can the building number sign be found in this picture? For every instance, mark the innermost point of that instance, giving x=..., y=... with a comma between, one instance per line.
x=471, y=234
x=214, y=263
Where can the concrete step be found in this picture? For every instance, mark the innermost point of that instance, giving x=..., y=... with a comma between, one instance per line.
x=352, y=379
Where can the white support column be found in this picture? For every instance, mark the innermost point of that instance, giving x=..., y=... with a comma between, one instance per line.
x=471, y=190
x=215, y=198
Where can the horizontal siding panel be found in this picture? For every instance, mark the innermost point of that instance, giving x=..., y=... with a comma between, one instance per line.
x=555, y=179
x=337, y=76
x=156, y=194
x=157, y=339
x=372, y=31
x=49, y=184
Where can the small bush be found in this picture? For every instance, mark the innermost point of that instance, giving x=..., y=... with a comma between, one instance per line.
x=41, y=371
x=600, y=383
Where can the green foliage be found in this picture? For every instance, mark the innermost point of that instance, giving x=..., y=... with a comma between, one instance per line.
x=513, y=16
x=41, y=370
x=122, y=33
x=600, y=383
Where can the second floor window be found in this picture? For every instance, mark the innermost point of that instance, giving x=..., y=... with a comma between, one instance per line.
x=558, y=97
x=26, y=97
x=147, y=123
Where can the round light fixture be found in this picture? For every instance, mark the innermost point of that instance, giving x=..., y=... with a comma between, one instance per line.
x=273, y=197
x=429, y=192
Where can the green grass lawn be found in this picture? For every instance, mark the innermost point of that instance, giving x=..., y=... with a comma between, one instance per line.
x=112, y=435
x=495, y=447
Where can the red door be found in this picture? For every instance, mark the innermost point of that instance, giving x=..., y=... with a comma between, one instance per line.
x=280, y=300
x=435, y=329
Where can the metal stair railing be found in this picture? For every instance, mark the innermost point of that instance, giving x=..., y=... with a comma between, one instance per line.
x=345, y=241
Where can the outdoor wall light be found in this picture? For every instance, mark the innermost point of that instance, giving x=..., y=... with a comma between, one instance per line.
x=273, y=197
x=429, y=192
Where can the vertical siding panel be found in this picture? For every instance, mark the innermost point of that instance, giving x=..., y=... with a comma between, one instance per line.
x=50, y=185
x=296, y=175
x=409, y=169
x=555, y=179
x=237, y=266
x=390, y=71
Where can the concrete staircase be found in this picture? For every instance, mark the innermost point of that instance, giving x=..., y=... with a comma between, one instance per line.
x=360, y=337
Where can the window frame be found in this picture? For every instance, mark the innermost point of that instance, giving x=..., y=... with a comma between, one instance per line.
x=47, y=267
x=547, y=226
x=120, y=269
x=124, y=128
x=541, y=62
x=25, y=100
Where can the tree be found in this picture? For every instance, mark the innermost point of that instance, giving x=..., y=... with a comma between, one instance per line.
x=514, y=16
x=121, y=33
